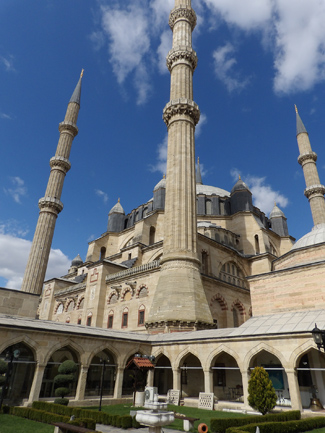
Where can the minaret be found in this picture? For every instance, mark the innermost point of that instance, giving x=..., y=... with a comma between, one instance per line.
x=198, y=173
x=50, y=205
x=307, y=159
x=180, y=302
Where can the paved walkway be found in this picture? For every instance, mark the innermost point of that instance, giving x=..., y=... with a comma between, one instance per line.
x=109, y=429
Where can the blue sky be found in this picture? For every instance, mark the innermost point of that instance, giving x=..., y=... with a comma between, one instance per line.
x=256, y=60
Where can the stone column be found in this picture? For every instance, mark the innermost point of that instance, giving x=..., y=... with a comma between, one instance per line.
x=150, y=377
x=294, y=390
x=118, y=382
x=208, y=380
x=245, y=378
x=82, y=380
x=36, y=385
x=177, y=379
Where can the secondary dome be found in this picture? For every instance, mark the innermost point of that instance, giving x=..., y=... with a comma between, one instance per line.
x=117, y=208
x=240, y=185
x=315, y=236
x=77, y=261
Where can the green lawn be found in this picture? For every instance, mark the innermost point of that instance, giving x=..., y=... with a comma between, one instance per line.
x=14, y=424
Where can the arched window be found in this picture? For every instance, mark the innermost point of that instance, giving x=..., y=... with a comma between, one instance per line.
x=257, y=244
x=232, y=274
x=125, y=317
x=110, y=319
x=89, y=317
x=141, y=315
x=102, y=253
x=143, y=292
x=81, y=304
x=60, y=309
x=71, y=306
x=235, y=317
x=145, y=212
x=113, y=299
x=79, y=320
x=152, y=236
x=205, y=262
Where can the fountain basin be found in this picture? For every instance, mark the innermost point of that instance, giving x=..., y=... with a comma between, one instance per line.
x=156, y=405
x=153, y=418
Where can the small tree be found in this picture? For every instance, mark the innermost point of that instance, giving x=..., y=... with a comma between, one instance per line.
x=262, y=395
x=62, y=381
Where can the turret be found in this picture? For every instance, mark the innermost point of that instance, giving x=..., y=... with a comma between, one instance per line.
x=159, y=194
x=50, y=205
x=116, y=218
x=278, y=221
x=77, y=261
x=240, y=197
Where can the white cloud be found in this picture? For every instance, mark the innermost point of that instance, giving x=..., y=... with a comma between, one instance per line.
x=14, y=253
x=264, y=196
x=8, y=63
x=163, y=49
x=127, y=31
x=199, y=126
x=5, y=116
x=17, y=190
x=161, y=164
x=102, y=195
x=224, y=65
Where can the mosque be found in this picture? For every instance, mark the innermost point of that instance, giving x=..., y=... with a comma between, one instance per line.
x=198, y=277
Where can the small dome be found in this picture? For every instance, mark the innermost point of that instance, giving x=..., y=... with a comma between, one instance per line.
x=77, y=261
x=211, y=190
x=117, y=208
x=276, y=212
x=314, y=237
x=239, y=186
x=160, y=184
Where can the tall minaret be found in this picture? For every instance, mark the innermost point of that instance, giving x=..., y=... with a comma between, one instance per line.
x=307, y=159
x=180, y=302
x=50, y=205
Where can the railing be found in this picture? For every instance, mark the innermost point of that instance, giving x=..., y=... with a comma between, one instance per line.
x=70, y=289
x=132, y=271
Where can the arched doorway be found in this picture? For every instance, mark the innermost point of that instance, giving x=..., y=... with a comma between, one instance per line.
x=227, y=379
x=163, y=375
x=21, y=368
x=95, y=374
x=311, y=377
x=51, y=370
x=276, y=373
x=192, y=377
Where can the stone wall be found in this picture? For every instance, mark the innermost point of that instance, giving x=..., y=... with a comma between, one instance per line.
x=15, y=302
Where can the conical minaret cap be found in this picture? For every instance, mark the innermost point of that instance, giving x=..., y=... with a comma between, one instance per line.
x=77, y=261
x=117, y=208
x=77, y=91
x=198, y=173
x=300, y=127
x=240, y=185
x=276, y=212
x=161, y=184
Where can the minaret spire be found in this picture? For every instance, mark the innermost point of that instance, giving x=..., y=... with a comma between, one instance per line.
x=307, y=159
x=50, y=205
x=180, y=301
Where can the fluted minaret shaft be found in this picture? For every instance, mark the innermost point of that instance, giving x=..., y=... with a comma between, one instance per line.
x=179, y=294
x=50, y=205
x=307, y=159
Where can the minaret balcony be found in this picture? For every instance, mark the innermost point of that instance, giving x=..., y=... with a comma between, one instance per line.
x=181, y=54
x=314, y=191
x=181, y=107
x=182, y=13
x=50, y=203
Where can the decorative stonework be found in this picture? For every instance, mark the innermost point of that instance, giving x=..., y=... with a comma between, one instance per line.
x=206, y=400
x=310, y=156
x=314, y=190
x=181, y=107
x=50, y=203
x=182, y=13
x=94, y=276
x=180, y=324
x=142, y=287
x=181, y=54
x=68, y=127
x=61, y=163
x=239, y=306
x=221, y=300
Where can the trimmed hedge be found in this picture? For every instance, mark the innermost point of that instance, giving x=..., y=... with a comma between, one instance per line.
x=125, y=421
x=281, y=427
x=218, y=425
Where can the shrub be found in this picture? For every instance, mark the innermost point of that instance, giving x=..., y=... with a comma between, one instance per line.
x=262, y=395
x=135, y=423
x=62, y=381
x=221, y=425
x=5, y=409
x=281, y=427
x=84, y=422
x=126, y=421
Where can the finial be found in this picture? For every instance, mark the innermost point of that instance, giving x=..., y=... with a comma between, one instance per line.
x=164, y=176
x=239, y=177
x=275, y=203
x=82, y=73
x=118, y=200
x=296, y=109
x=198, y=160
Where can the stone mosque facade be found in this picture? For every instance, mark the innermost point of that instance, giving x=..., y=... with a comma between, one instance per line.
x=198, y=277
